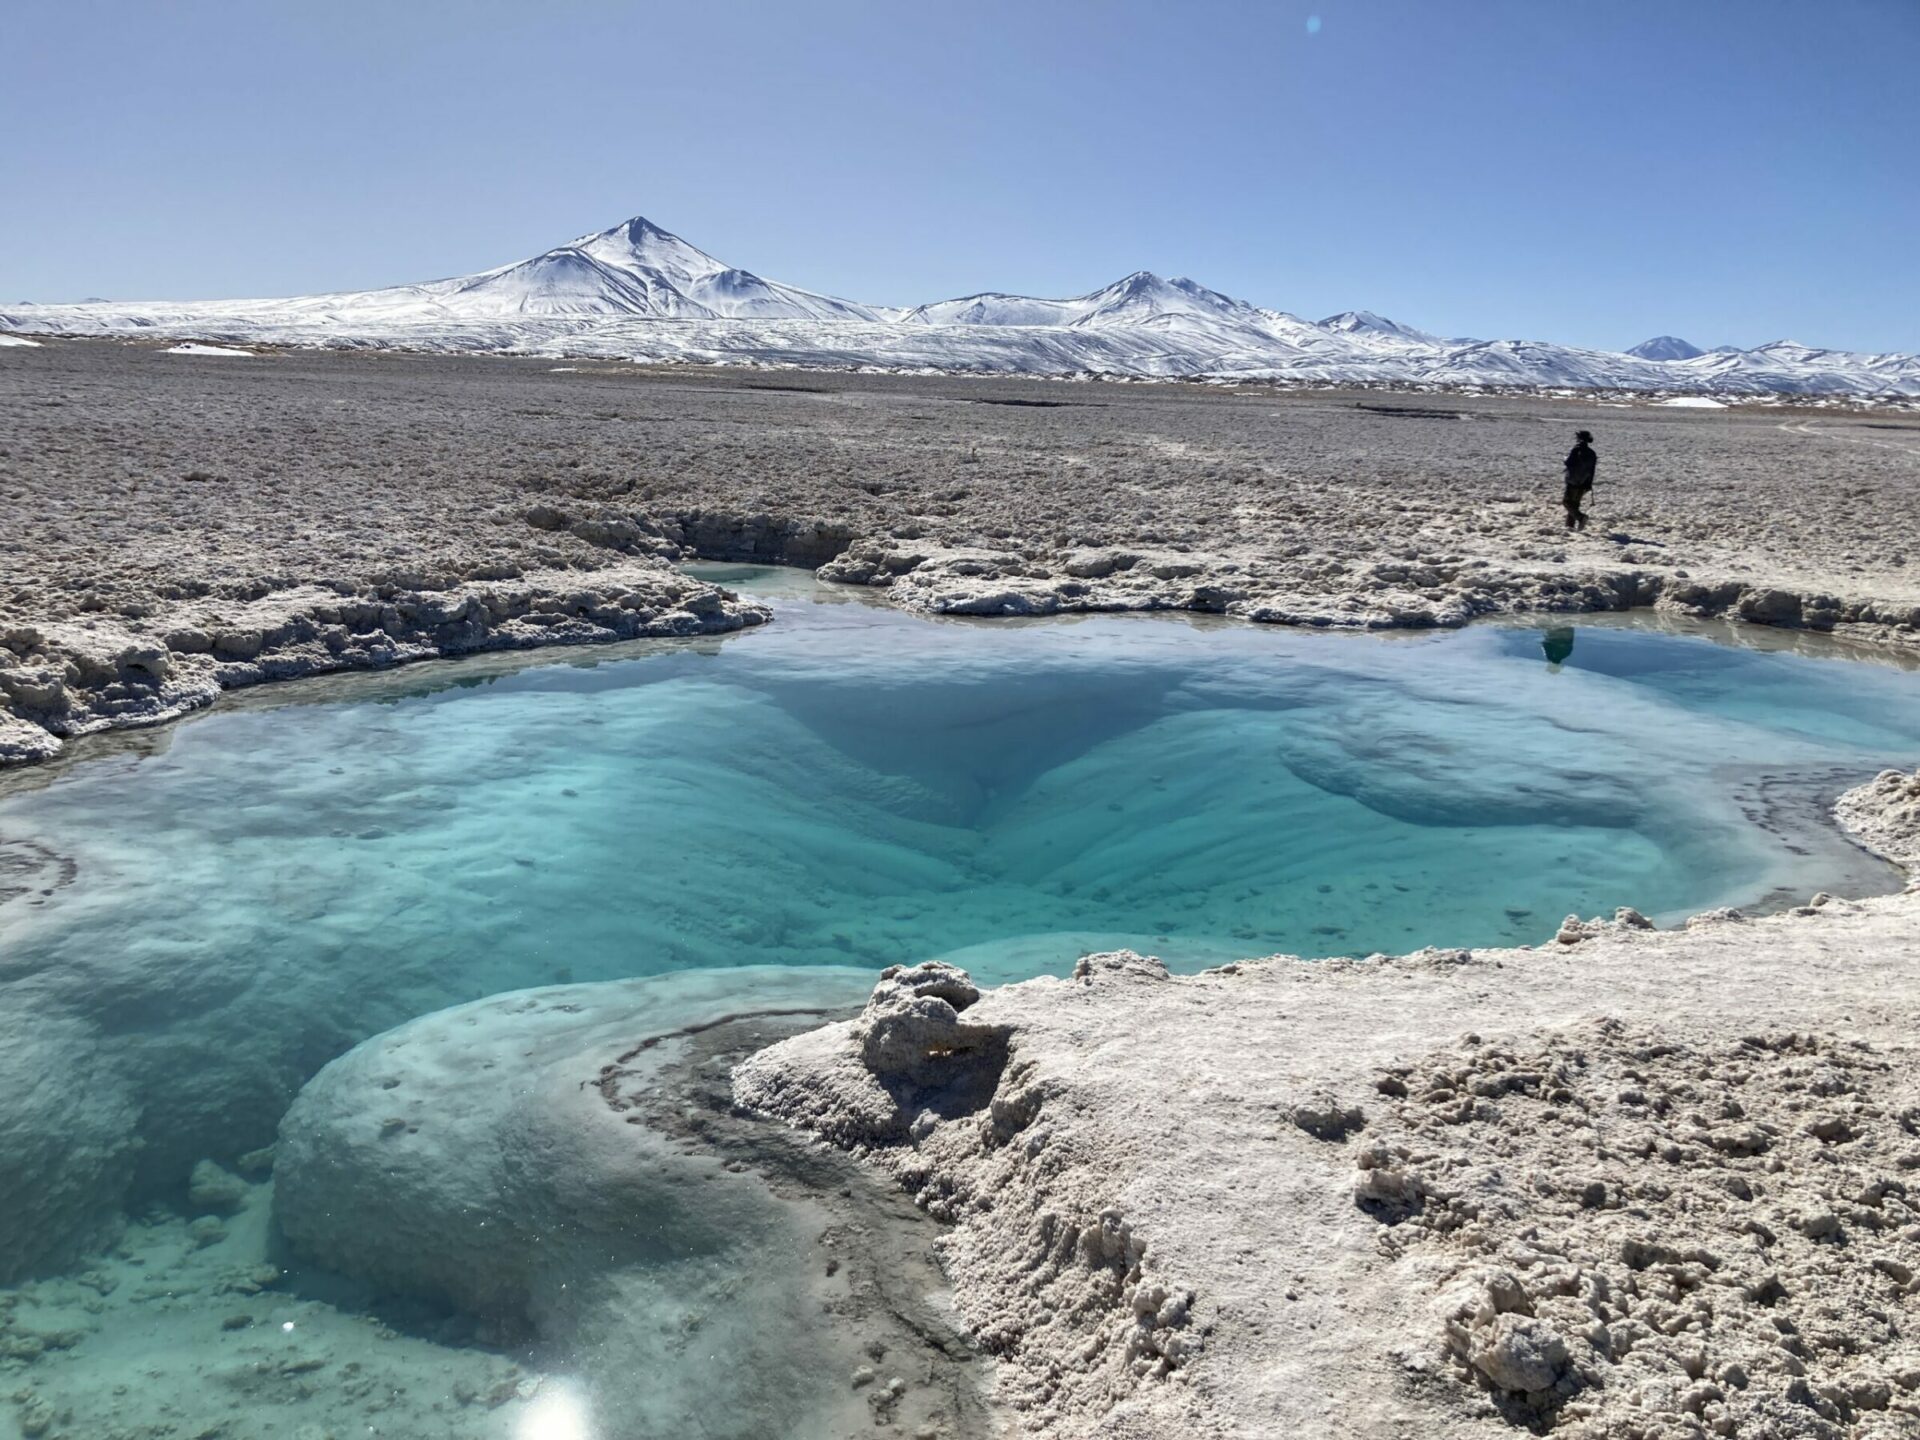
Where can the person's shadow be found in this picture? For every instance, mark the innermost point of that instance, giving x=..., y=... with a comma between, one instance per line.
x=1558, y=645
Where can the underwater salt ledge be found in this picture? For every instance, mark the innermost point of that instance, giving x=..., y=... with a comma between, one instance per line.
x=850, y=787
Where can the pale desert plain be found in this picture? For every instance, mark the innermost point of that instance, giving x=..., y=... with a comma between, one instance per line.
x=1622, y=1184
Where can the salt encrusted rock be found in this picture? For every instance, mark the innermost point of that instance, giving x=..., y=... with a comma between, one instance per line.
x=907, y=1061
x=927, y=1089
x=1520, y=1354
x=1119, y=965
x=1479, y=1298
x=911, y=1026
x=21, y=741
x=213, y=1189
x=1722, y=915
x=1326, y=1117
x=1573, y=929
x=1884, y=815
x=76, y=677
x=1770, y=607
x=757, y=536
x=1387, y=1180
x=35, y=687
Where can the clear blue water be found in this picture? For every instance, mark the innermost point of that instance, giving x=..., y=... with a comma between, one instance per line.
x=257, y=889
x=854, y=785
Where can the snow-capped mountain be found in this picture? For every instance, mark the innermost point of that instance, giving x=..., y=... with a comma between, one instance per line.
x=637, y=268
x=1365, y=322
x=638, y=292
x=1666, y=347
x=1141, y=298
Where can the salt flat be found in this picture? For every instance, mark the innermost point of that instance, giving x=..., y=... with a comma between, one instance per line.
x=177, y=525
x=1628, y=1183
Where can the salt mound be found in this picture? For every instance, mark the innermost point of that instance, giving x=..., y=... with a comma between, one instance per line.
x=466, y=1156
x=497, y=1157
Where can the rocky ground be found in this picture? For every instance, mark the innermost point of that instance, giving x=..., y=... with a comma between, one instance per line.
x=176, y=525
x=1631, y=1185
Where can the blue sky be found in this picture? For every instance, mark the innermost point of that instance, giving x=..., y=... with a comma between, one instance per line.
x=1594, y=173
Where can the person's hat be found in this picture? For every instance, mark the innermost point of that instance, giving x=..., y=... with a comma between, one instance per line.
x=1586, y=435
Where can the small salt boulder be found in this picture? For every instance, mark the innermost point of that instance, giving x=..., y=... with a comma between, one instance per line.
x=911, y=1025
x=1477, y=1300
x=1386, y=1179
x=238, y=644
x=1572, y=931
x=215, y=1190
x=1520, y=1354
x=1120, y=965
x=1325, y=1117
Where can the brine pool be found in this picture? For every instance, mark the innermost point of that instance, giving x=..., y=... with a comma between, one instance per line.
x=200, y=919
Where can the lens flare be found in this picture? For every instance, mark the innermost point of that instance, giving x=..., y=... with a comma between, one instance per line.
x=557, y=1412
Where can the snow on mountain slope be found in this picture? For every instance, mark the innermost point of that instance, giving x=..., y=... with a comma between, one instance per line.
x=635, y=268
x=1366, y=323
x=1137, y=299
x=1666, y=347
x=638, y=292
x=995, y=309
x=1786, y=366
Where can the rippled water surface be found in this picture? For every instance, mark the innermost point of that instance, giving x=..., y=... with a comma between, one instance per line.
x=261, y=887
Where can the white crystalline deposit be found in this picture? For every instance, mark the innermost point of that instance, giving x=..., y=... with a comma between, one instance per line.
x=497, y=1158
x=1645, y=1183
x=63, y=680
x=481, y=1156
x=190, y=348
x=1884, y=815
x=635, y=291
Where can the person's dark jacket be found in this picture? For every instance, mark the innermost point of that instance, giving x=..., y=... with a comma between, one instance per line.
x=1580, y=463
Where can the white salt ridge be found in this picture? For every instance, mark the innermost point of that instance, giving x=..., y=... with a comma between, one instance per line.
x=193, y=349
x=637, y=292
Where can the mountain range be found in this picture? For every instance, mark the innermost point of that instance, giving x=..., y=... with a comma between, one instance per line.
x=638, y=292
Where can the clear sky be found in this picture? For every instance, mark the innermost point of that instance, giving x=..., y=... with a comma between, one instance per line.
x=1587, y=171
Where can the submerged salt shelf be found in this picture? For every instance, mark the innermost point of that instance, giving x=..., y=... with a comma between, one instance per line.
x=206, y=917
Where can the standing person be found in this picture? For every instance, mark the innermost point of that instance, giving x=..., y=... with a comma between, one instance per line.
x=1580, y=464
